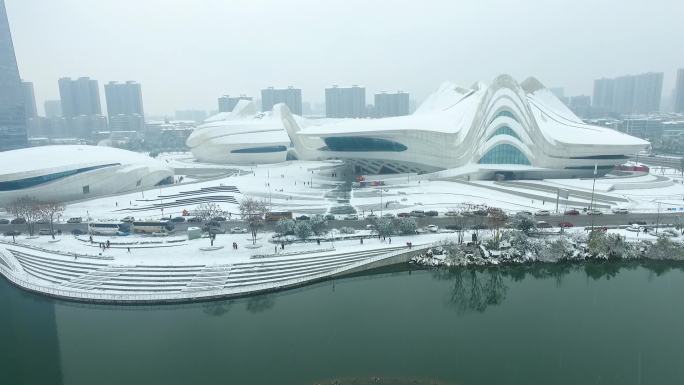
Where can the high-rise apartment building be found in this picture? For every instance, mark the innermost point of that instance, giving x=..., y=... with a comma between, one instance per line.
x=226, y=103
x=679, y=92
x=648, y=89
x=53, y=108
x=29, y=100
x=603, y=95
x=291, y=96
x=580, y=105
x=79, y=97
x=345, y=102
x=124, y=98
x=396, y=104
x=630, y=94
x=125, y=106
x=13, y=132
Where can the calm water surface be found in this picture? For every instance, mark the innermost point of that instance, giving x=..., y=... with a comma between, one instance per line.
x=595, y=324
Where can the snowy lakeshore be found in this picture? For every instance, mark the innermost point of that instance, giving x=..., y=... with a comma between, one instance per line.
x=517, y=247
x=146, y=269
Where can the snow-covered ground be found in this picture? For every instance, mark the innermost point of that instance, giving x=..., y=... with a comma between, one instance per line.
x=307, y=187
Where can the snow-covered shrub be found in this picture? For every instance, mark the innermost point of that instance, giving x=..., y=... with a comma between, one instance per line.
x=347, y=230
x=303, y=229
x=285, y=227
x=524, y=224
x=384, y=227
x=665, y=248
x=406, y=226
x=318, y=224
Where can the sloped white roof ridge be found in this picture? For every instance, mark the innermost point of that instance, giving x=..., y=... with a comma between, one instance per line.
x=243, y=109
x=445, y=96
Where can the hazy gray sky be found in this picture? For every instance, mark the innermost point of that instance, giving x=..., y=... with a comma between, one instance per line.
x=186, y=53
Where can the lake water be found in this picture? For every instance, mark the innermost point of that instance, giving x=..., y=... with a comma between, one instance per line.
x=554, y=324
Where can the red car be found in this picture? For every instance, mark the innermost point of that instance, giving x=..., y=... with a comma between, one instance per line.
x=572, y=212
x=565, y=224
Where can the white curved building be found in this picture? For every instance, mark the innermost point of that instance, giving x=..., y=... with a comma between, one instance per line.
x=515, y=130
x=240, y=137
x=67, y=173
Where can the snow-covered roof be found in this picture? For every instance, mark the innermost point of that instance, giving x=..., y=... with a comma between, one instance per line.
x=451, y=113
x=39, y=160
x=558, y=123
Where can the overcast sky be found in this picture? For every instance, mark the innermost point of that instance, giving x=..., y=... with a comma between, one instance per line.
x=186, y=53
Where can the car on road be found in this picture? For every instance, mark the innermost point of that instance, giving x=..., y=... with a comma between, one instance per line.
x=467, y=213
x=571, y=212
x=451, y=213
x=4, y=221
x=543, y=225
x=12, y=233
x=432, y=228
x=351, y=217
x=218, y=219
x=128, y=219
x=480, y=212
x=523, y=214
x=418, y=213
x=594, y=212
x=302, y=218
x=79, y=220
x=640, y=223
x=194, y=220
x=42, y=221
x=77, y=232
x=371, y=216
x=565, y=225
x=620, y=211
x=403, y=215
x=388, y=215
x=238, y=230
x=431, y=213
x=44, y=232
x=18, y=221
x=178, y=219
x=542, y=213
x=329, y=217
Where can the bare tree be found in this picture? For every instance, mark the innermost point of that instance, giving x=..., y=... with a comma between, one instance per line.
x=253, y=211
x=206, y=212
x=27, y=209
x=50, y=211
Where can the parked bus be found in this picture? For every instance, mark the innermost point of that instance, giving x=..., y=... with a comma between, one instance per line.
x=108, y=228
x=274, y=216
x=150, y=227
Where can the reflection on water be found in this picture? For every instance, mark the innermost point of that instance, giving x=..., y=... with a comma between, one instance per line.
x=216, y=308
x=260, y=303
x=474, y=289
x=29, y=346
x=385, y=327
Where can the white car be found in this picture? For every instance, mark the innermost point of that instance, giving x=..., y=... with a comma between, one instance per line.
x=44, y=232
x=432, y=228
x=594, y=212
x=451, y=213
x=620, y=211
x=542, y=213
x=238, y=230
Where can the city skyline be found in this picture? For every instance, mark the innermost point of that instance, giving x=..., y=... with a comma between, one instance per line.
x=432, y=47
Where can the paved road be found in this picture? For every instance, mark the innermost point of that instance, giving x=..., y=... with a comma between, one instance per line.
x=441, y=221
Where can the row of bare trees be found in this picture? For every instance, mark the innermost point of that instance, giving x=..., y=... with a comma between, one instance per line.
x=253, y=212
x=32, y=210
